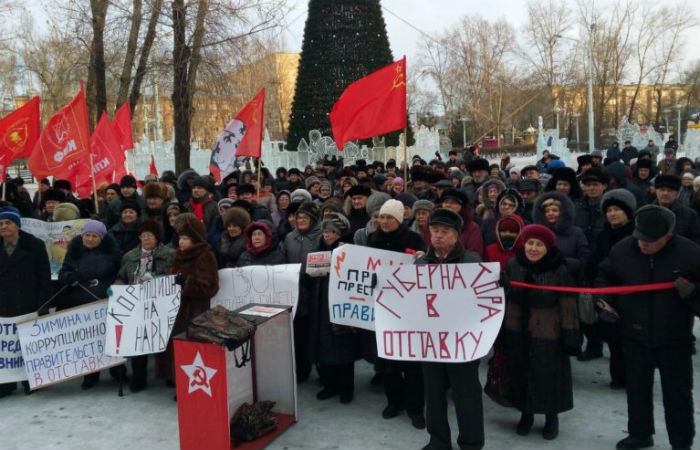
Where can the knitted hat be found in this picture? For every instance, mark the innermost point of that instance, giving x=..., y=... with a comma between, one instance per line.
x=236, y=216
x=539, y=232
x=10, y=213
x=155, y=190
x=375, y=202
x=398, y=180
x=94, y=226
x=393, y=208
x=310, y=181
x=652, y=222
x=667, y=181
x=423, y=205
x=65, y=211
x=188, y=225
x=130, y=204
x=224, y=203
x=554, y=165
x=447, y=217
x=151, y=226
x=622, y=198
x=245, y=189
x=359, y=190
x=407, y=199
x=127, y=181
x=310, y=209
x=300, y=196
x=336, y=222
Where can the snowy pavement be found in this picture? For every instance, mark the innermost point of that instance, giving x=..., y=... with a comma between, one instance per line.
x=65, y=417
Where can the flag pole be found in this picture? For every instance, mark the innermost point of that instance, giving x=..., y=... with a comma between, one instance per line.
x=259, y=171
x=4, y=183
x=405, y=160
x=94, y=185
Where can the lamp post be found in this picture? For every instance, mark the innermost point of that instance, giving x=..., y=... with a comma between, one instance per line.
x=678, y=107
x=578, y=144
x=464, y=131
x=666, y=112
x=557, y=110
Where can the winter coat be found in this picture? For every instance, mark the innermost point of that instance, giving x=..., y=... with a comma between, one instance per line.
x=24, y=276
x=687, y=221
x=540, y=330
x=157, y=214
x=111, y=215
x=215, y=231
x=126, y=236
x=85, y=265
x=259, y=212
x=604, y=242
x=488, y=226
x=496, y=252
x=571, y=241
x=470, y=237
x=618, y=171
x=629, y=153
x=162, y=260
x=457, y=255
x=361, y=236
x=268, y=255
x=399, y=240
x=184, y=191
x=328, y=343
x=589, y=217
x=229, y=250
x=357, y=218
x=297, y=246
x=685, y=195
x=657, y=318
x=667, y=167
x=209, y=210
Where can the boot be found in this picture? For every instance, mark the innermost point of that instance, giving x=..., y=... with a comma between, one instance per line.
x=635, y=443
x=525, y=424
x=551, y=427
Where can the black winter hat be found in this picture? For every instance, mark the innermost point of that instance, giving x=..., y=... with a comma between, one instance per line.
x=447, y=217
x=130, y=204
x=153, y=227
x=406, y=198
x=127, y=181
x=294, y=171
x=622, y=198
x=478, y=164
x=53, y=194
x=528, y=185
x=169, y=177
x=419, y=174
x=667, y=181
x=62, y=184
x=527, y=168
x=584, y=159
x=644, y=164
x=245, y=189
x=203, y=183
x=565, y=174
x=359, y=190
x=243, y=204
x=455, y=194
x=652, y=222
x=595, y=174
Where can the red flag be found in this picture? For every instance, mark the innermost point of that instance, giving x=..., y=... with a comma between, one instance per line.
x=241, y=137
x=371, y=106
x=19, y=132
x=152, y=169
x=122, y=127
x=65, y=139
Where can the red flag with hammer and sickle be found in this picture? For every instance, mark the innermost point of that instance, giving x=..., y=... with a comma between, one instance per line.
x=371, y=106
x=19, y=131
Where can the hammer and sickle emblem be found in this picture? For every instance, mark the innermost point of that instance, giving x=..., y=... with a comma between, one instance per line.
x=199, y=377
x=399, y=79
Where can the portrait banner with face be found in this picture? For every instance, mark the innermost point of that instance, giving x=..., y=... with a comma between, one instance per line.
x=56, y=237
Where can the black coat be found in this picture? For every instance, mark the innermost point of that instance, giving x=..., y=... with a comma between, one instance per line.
x=653, y=318
x=24, y=276
x=687, y=221
x=84, y=265
x=604, y=243
x=328, y=343
x=397, y=241
x=540, y=329
x=126, y=236
x=229, y=250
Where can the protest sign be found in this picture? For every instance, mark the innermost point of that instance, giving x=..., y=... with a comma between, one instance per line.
x=66, y=344
x=438, y=312
x=318, y=264
x=350, y=293
x=140, y=317
x=11, y=362
x=56, y=237
x=269, y=285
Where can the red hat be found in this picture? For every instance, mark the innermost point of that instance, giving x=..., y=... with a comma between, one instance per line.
x=510, y=223
x=540, y=232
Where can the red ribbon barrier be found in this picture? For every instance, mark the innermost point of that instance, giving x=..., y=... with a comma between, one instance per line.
x=601, y=291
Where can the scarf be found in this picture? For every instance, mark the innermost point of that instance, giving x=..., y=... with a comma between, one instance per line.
x=198, y=207
x=145, y=267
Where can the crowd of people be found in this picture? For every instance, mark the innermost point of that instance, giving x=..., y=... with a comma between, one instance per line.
x=619, y=220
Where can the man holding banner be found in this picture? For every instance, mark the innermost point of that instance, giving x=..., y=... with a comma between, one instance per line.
x=24, y=277
x=445, y=248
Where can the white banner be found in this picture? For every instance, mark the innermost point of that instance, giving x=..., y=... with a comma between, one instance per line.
x=56, y=237
x=269, y=285
x=66, y=344
x=438, y=312
x=140, y=317
x=11, y=362
x=350, y=293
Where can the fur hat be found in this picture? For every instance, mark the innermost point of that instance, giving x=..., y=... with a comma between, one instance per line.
x=187, y=224
x=245, y=189
x=584, y=159
x=130, y=204
x=419, y=174
x=300, y=196
x=622, y=198
x=310, y=209
x=455, y=194
x=53, y=194
x=359, y=190
x=236, y=216
x=375, y=202
x=644, y=164
x=310, y=181
x=595, y=174
x=540, y=232
x=203, y=182
x=565, y=174
x=127, y=181
x=667, y=181
x=333, y=203
x=336, y=222
x=155, y=190
x=62, y=184
x=151, y=226
x=65, y=211
x=447, y=217
x=173, y=208
x=478, y=164
x=652, y=222
x=393, y=208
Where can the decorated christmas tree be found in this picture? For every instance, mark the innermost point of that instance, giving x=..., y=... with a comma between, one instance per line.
x=344, y=40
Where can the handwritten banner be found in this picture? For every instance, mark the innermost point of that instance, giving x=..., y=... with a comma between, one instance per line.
x=66, y=344
x=11, y=362
x=438, y=312
x=269, y=285
x=140, y=317
x=350, y=292
x=56, y=237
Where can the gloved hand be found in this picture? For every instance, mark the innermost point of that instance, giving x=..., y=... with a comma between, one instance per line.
x=684, y=287
x=504, y=280
x=374, y=281
x=180, y=279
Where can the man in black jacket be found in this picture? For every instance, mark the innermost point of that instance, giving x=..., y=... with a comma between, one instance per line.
x=24, y=274
x=666, y=188
x=656, y=324
x=446, y=248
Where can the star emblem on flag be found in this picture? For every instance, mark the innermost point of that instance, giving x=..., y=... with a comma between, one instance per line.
x=199, y=375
